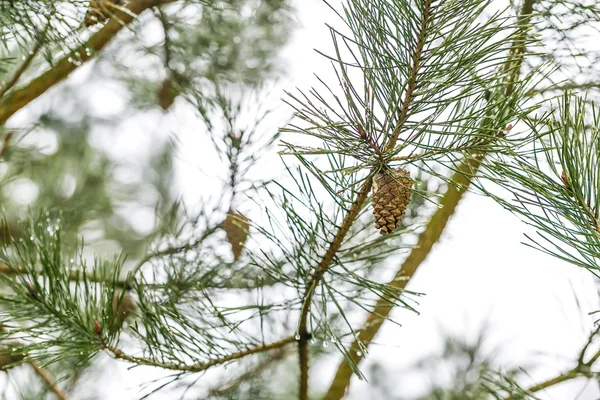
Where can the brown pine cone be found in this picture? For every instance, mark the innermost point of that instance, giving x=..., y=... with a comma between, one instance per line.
x=166, y=94
x=391, y=195
x=123, y=308
x=98, y=11
x=236, y=227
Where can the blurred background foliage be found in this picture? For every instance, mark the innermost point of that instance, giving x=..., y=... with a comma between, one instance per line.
x=63, y=159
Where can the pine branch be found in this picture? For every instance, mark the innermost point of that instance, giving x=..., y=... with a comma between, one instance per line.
x=352, y=214
x=567, y=87
x=168, y=251
x=75, y=276
x=432, y=233
x=49, y=381
x=119, y=354
x=583, y=369
x=61, y=70
x=412, y=81
x=425, y=243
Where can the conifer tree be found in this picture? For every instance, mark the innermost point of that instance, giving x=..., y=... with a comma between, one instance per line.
x=103, y=264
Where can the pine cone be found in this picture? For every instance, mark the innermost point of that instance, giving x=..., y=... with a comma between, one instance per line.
x=166, y=94
x=122, y=309
x=236, y=227
x=98, y=11
x=391, y=195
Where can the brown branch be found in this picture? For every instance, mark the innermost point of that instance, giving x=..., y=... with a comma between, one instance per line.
x=352, y=214
x=61, y=70
x=323, y=266
x=49, y=380
x=566, y=87
x=412, y=81
x=117, y=353
x=432, y=233
x=425, y=243
x=6, y=142
x=583, y=369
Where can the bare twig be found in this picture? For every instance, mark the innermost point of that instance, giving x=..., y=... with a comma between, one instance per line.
x=49, y=380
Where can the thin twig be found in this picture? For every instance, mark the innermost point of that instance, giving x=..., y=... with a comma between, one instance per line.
x=119, y=354
x=582, y=369
x=580, y=359
x=6, y=142
x=567, y=87
x=167, y=45
x=49, y=380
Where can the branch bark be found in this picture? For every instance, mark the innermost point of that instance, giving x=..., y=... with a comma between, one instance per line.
x=117, y=353
x=583, y=369
x=432, y=233
x=63, y=68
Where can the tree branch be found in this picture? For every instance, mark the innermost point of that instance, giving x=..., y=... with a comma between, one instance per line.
x=432, y=233
x=61, y=70
x=583, y=369
x=352, y=214
x=6, y=142
x=567, y=87
x=425, y=243
x=117, y=353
